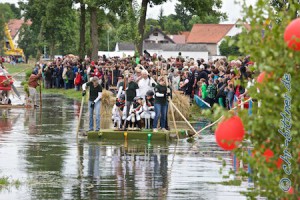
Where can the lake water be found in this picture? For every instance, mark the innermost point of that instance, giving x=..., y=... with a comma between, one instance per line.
x=39, y=148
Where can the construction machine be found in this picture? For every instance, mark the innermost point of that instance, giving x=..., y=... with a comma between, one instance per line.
x=9, y=47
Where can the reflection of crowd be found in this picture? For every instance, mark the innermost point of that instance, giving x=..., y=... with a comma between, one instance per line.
x=144, y=84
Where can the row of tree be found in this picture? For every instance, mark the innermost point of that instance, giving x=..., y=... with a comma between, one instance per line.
x=85, y=26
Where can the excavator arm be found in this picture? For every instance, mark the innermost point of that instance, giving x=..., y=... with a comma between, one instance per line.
x=12, y=50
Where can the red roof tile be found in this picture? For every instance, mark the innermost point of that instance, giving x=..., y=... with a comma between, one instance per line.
x=208, y=33
x=178, y=39
x=186, y=34
x=15, y=24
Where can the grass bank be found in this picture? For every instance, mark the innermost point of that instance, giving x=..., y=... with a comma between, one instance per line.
x=70, y=93
x=18, y=68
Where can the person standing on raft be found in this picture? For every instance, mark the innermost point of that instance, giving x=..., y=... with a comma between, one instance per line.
x=94, y=101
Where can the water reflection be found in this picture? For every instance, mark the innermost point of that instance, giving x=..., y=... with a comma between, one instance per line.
x=39, y=148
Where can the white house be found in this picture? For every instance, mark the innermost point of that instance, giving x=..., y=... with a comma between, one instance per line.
x=195, y=51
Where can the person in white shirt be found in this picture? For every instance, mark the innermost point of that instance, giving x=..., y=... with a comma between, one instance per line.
x=145, y=84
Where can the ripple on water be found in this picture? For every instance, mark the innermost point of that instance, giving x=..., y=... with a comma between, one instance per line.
x=40, y=149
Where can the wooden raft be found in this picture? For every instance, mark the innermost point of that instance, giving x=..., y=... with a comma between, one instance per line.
x=111, y=134
x=14, y=106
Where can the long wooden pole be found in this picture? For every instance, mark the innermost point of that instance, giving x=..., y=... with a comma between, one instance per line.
x=80, y=114
x=188, y=123
x=173, y=116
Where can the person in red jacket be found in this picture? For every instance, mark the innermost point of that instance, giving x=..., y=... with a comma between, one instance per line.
x=78, y=81
x=32, y=84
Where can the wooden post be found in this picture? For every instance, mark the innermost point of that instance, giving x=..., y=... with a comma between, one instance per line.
x=41, y=101
x=80, y=114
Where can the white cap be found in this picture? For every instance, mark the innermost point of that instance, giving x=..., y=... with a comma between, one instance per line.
x=202, y=67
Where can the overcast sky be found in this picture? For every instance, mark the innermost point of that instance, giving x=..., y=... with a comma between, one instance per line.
x=233, y=10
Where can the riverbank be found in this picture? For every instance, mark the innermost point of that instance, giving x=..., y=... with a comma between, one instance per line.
x=70, y=93
x=18, y=68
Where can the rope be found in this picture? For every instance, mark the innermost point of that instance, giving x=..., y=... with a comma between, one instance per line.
x=208, y=126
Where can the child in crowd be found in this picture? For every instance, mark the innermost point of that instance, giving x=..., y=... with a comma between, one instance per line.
x=135, y=112
x=202, y=88
x=211, y=92
x=119, y=112
x=148, y=113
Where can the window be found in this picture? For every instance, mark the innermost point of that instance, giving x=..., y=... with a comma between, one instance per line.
x=155, y=33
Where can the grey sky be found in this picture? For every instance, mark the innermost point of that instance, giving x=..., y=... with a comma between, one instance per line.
x=233, y=10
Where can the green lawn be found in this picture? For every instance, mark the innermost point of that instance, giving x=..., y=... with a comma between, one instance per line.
x=18, y=68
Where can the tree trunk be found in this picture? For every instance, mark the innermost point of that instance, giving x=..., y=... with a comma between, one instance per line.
x=40, y=41
x=82, y=31
x=141, y=26
x=94, y=33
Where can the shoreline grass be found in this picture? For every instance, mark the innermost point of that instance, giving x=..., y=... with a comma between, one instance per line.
x=18, y=68
x=70, y=93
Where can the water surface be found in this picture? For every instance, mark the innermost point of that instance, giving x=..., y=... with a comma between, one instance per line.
x=39, y=148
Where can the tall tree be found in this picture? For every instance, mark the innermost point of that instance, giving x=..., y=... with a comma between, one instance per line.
x=284, y=5
x=82, y=43
x=142, y=21
x=183, y=15
x=161, y=19
x=27, y=41
x=206, y=11
x=94, y=31
x=54, y=23
x=173, y=26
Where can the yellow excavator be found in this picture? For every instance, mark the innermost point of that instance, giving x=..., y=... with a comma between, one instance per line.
x=9, y=47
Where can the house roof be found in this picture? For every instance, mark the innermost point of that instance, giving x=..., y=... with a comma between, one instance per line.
x=160, y=31
x=165, y=47
x=178, y=39
x=14, y=26
x=186, y=34
x=208, y=33
x=125, y=46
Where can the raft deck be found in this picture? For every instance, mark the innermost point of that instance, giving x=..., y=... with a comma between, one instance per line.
x=10, y=106
x=111, y=134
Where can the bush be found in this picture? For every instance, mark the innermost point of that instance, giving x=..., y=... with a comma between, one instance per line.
x=272, y=56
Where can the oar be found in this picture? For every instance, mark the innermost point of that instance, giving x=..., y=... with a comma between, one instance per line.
x=80, y=114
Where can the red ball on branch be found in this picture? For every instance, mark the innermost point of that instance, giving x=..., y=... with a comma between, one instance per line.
x=292, y=35
x=229, y=133
x=261, y=77
x=268, y=154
